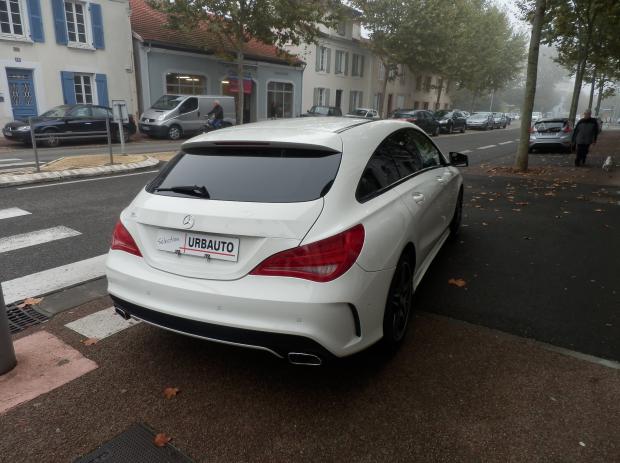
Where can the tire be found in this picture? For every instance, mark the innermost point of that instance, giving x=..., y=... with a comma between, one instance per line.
x=450, y=128
x=436, y=131
x=175, y=132
x=463, y=129
x=455, y=223
x=399, y=303
x=52, y=141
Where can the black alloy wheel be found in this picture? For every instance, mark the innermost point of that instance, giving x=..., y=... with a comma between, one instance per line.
x=463, y=128
x=51, y=140
x=436, y=130
x=399, y=303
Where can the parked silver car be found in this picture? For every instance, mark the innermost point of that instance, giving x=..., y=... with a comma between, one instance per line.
x=551, y=134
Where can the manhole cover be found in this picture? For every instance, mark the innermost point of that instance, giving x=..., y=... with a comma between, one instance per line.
x=136, y=446
x=20, y=319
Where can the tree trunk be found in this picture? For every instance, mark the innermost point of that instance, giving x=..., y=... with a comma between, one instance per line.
x=439, y=89
x=592, y=90
x=240, y=93
x=577, y=90
x=383, y=102
x=473, y=101
x=601, y=87
x=530, y=87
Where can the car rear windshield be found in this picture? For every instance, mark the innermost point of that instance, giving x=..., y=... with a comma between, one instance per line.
x=550, y=126
x=323, y=110
x=250, y=174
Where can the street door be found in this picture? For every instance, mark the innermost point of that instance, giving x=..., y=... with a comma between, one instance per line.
x=338, y=98
x=21, y=92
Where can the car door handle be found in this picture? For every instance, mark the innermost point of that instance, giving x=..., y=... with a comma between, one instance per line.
x=418, y=197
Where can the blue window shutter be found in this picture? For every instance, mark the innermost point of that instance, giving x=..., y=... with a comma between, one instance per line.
x=96, y=19
x=102, y=89
x=36, y=21
x=60, y=24
x=68, y=87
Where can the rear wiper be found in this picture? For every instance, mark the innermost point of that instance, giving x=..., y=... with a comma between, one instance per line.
x=194, y=190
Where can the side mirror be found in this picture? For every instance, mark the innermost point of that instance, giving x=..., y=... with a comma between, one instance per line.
x=459, y=159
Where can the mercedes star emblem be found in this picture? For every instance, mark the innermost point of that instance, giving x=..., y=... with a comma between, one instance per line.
x=188, y=221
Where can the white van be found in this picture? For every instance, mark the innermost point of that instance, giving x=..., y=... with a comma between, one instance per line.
x=173, y=116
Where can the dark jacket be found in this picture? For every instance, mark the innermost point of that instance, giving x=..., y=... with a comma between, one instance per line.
x=586, y=131
x=218, y=113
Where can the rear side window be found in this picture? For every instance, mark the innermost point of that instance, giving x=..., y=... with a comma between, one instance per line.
x=263, y=175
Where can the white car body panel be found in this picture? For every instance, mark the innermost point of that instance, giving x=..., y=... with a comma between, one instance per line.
x=415, y=212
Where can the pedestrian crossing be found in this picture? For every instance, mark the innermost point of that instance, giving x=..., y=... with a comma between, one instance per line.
x=9, y=164
x=50, y=280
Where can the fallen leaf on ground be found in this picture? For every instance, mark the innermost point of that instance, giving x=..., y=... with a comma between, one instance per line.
x=517, y=210
x=459, y=282
x=521, y=203
x=161, y=439
x=599, y=210
x=170, y=392
x=90, y=341
x=30, y=301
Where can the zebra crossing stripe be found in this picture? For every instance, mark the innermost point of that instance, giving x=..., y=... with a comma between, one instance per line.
x=48, y=281
x=12, y=212
x=11, y=243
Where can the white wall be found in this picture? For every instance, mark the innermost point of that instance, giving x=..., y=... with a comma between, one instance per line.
x=48, y=59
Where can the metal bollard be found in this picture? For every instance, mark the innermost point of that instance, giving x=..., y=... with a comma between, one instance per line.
x=108, y=130
x=7, y=352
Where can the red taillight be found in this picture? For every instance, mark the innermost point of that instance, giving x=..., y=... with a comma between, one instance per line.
x=122, y=240
x=412, y=119
x=322, y=261
x=567, y=129
x=532, y=130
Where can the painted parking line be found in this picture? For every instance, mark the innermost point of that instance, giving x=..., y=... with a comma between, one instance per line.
x=12, y=212
x=465, y=151
x=17, y=164
x=87, y=180
x=102, y=324
x=506, y=142
x=48, y=281
x=10, y=160
x=486, y=147
x=24, y=240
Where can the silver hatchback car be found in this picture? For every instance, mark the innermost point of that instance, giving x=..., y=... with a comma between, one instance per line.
x=551, y=134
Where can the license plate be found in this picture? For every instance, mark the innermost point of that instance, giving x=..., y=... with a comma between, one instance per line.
x=8, y=134
x=145, y=128
x=198, y=244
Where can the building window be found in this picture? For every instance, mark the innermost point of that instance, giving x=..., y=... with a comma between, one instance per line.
x=381, y=70
x=416, y=105
x=323, y=59
x=321, y=96
x=279, y=99
x=341, y=62
x=427, y=84
x=425, y=105
x=186, y=84
x=11, y=18
x=400, y=101
x=341, y=28
x=377, y=102
x=76, y=24
x=357, y=65
x=83, y=88
x=355, y=100
x=418, y=83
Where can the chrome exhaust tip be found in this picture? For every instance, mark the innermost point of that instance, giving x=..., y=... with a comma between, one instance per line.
x=301, y=358
x=122, y=313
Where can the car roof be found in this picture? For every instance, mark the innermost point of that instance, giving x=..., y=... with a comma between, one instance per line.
x=309, y=133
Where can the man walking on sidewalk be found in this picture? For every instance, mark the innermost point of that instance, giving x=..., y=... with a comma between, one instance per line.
x=584, y=135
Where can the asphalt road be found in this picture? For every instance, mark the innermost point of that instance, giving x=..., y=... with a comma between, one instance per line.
x=544, y=272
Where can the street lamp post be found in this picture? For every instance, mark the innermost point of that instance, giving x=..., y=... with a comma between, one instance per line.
x=7, y=352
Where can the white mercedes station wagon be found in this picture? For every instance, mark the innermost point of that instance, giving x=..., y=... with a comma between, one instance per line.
x=303, y=237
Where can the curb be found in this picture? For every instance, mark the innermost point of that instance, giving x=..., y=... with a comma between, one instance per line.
x=23, y=179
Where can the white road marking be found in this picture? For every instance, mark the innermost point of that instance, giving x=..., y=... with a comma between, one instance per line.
x=486, y=147
x=86, y=180
x=24, y=240
x=465, y=151
x=517, y=139
x=17, y=164
x=101, y=324
x=10, y=159
x=48, y=281
x=12, y=212
x=506, y=142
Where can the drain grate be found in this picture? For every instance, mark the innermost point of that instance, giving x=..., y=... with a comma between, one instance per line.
x=136, y=446
x=20, y=319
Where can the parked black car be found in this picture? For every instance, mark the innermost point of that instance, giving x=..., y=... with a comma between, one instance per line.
x=451, y=120
x=420, y=117
x=321, y=111
x=68, y=119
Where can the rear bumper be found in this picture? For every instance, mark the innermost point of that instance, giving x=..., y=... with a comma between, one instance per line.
x=280, y=315
x=550, y=143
